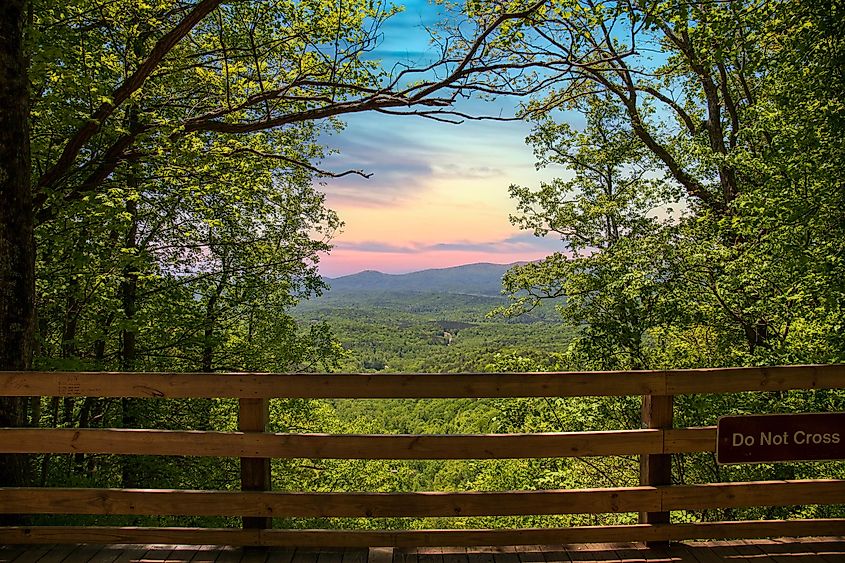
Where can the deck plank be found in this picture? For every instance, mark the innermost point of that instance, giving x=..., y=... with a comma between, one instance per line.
x=430, y=555
x=254, y=555
x=404, y=555
x=455, y=555
x=107, y=554
x=156, y=554
x=352, y=555
x=305, y=556
x=529, y=554
x=805, y=550
x=62, y=553
x=814, y=549
x=676, y=553
x=85, y=553
x=33, y=553
x=700, y=553
x=831, y=550
x=481, y=555
x=554, y=553
x=750, y=551
x=378, y=555
x=506, y=554
x=606, y=552
x=797, y=552
x=629, y=553
x=330, y=556
x=8, y=553
x=228, y=555
x=181, y=553
x=130, y=554
x=580, y=552
x=205, y=554
x=281, y=555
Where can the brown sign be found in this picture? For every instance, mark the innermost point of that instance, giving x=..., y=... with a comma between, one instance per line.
x=780, y=437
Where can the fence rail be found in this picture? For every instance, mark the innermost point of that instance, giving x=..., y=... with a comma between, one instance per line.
x=421, y=385
x=357, y=446
x=256, y=504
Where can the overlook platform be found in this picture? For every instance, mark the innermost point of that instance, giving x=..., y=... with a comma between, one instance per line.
x=658, y=533
x=803, y=550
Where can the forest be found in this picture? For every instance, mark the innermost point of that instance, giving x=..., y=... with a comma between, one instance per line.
x=161, y=209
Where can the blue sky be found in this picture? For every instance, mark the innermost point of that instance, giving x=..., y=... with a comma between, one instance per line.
x=438, y=192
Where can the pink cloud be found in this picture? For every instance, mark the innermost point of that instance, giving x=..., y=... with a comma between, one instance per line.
x=343, y=262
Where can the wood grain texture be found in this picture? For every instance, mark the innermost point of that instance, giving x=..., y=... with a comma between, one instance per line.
x=254, y=417
x=656, y=469
x=266, y=504
x=329, y=446
x=775, y=378
x=655, y=497
x=690, y=440
x=565, y=384
x=424, y=538
x=377, y=386
x=794, y=550
x=263, y=504
x=380, y=555
x=760, y=493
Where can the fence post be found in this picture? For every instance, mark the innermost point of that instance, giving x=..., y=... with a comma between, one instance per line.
x=656, y=469
x=253, y=416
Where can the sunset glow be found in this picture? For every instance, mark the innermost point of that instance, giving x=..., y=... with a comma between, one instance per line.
x=438, y=195
x=433, y=201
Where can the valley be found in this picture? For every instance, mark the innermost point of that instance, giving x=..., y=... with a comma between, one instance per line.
x=433, y=321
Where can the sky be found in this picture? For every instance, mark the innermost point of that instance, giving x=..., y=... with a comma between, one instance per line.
x=438, y=195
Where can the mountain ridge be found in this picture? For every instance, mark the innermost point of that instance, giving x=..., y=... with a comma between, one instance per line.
x=480, y=278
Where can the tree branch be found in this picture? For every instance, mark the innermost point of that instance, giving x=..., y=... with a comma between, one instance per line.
x=95, y=122
x=299, y=163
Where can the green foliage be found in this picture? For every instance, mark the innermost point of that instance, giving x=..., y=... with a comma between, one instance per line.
x=433, y=332
x=700, y=209
x=736, y=122
x=195, y=245
x=172, y=240
x=733, y=125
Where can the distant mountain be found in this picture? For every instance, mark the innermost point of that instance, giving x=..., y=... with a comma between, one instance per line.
x=469, y=279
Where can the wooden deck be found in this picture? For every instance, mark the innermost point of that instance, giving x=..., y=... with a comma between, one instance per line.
x=655, y=441
x=820, y=550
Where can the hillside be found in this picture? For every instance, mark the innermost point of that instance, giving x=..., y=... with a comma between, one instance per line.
x=465, y=293
x=431, y=321
x=470, y=279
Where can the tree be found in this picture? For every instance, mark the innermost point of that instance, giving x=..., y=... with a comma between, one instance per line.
x=615, y=277
x=710, y=108
x=17, y=246
x=142, y=114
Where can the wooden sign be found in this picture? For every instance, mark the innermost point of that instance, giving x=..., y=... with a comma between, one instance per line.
x=780, y=437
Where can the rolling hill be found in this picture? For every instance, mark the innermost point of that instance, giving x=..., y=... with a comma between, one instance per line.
x=471, y=279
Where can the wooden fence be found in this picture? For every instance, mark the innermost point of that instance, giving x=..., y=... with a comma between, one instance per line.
x=654, y=443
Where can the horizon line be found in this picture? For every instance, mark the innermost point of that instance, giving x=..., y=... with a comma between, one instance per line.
x=366, y=270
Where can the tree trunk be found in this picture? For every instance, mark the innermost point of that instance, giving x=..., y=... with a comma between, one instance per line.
x=129, y=293
x=84, y=422
x=128, y=357
x=47, y=459
x=17, y=245
x=210, y=322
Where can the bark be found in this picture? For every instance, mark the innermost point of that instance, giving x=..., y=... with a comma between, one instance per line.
x=84, y=422
x=211, y=317
x=128, y=355
x=123, y=93
x=129, y=293
x=17, y=245
x=100, y=343
x=46, y=464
